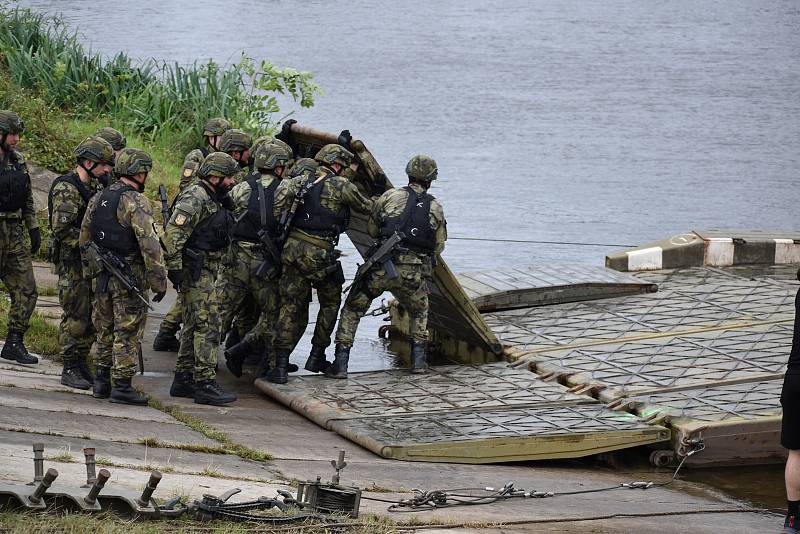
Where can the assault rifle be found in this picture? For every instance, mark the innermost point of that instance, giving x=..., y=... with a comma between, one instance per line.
x=287, y=217
x=270, y=267
x=115, y=267
x=162, y=194
x=382, y=255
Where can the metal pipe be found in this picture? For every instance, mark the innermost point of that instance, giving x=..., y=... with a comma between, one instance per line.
x=38, y=462
x=91, y=475
x=102, y=477
x=44, y=485
x=147, y=493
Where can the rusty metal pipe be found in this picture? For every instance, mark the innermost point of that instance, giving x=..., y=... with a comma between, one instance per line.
x=147, y=493
x=38, y=462
x=91, y=475
x=102, y=478
x=44, y=485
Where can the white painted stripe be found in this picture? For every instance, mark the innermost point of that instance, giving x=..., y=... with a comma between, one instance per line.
x=719, y=251
x=646, y=259
x=787, y=251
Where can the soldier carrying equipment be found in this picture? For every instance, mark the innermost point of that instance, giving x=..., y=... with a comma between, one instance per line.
x=382, y=256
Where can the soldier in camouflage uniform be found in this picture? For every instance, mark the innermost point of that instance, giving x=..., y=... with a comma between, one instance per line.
x=237, y=144
x=309, y=255
x=67, y=201
x=114, y=138
x=119, y=221
x=419, y=217
x=252, y=269
x=196, y=240
x=213, y=130
x=16, y=212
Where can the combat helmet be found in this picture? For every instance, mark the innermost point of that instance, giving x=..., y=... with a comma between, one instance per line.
x=114, y=137
x=95, y=149
x=268, y=156
x=422, y=167
x=10, y=123
x=330, y=154
x=132, y=161
x=218, y=164
x=216, y=126
x=303, y=165
x=235, y=140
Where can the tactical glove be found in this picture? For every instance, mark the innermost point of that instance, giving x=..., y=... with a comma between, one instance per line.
x=345, y=138
x=36, y=239
x=176, y=277
x=158, y=297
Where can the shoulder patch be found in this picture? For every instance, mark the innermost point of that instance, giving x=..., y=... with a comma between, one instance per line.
x=180, y=219
x=187, y=172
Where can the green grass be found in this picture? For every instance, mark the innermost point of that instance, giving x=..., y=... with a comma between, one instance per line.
x=41, y=337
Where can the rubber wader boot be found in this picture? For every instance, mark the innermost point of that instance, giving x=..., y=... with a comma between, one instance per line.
x=182, y=385
x=235, y=355
x=71, y=375
x=338, y=369
x=419, y=364
x=102, y=382
x=166, y=342
x=316, y=362
x=86, y=372
x=123, y=393
x=14, y=349
x=209, y=392
x=280, y=374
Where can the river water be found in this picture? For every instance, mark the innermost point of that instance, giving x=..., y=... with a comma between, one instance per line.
x=616, y=122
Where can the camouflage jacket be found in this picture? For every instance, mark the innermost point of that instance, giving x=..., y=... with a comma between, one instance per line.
x=194, y=205
x=135, y=212
x=191, y=164
x=16, y=161
x=392, y=203
x=67, y=206
x=336, y=192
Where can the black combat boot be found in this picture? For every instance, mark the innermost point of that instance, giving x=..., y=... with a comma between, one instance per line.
x=235, y=355
x=263, y=369
x=182, y=385
x=123, y=393
x=316, y=362
x=280, y=374
x=14, y=349
x=209, y=392
x=102, y=382
x=254, y=356
x=71, y=375
x=86, y=373
x=419, y=356
x=338, y=369
x=166, y=342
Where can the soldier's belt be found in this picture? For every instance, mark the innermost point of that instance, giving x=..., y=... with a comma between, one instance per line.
x=316, y=241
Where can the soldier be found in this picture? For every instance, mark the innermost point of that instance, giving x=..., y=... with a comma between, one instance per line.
x=16, y=212
x=196, y=239
x=419, y=217
x=213, y=130
x=119, y=221
x=254, y=265
x=237, y=143
x=309, y=255
x=114, y=138
x=67, y=201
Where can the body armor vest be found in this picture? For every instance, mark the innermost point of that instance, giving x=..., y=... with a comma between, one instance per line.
x=314, y=218
x=84, y=192
x=414, y=222
x=213, y=232
x=249, y=225
x=106, y=230
x=15, y=186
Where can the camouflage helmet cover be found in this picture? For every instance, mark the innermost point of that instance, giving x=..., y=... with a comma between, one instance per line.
x=303, y=165
x=114, y=137
x=132, y=161
x=235, y=140
x=218, y=164
x=330, y=154
x=269, y=155
x=264, y=139
x=95, y=149
x=10, y=123
x=216, y=126
x=422, y=167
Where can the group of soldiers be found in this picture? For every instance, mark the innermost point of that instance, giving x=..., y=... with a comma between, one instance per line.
x=252, y=231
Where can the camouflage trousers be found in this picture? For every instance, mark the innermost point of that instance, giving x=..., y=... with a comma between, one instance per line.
x=241, y=294
x=171, y=322
x=119, y=317
x=16, y=272
x=307, y=266
x=410, y=288
x=76, y=333
x=200, y=337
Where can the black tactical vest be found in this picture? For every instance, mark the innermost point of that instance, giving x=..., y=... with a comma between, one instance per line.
x=83, y=191
x=414, y=222
x=314, y=218
x=249, y=225
x=105, y=229
x=213, y=232
x=15, y=186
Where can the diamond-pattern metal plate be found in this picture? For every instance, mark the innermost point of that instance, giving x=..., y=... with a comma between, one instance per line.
x=683, y=360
